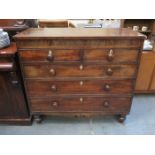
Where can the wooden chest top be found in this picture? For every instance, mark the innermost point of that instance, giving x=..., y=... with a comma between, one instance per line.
x=75, y=33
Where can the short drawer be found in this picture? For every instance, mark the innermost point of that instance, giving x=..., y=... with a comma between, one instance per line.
x=103, y=55
x=79, y=70
x=50, y=55
x=111, y=55
x=81, y=104
x=43, y=88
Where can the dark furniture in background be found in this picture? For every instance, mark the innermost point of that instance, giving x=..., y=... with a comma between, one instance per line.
x=79, y=71
x=14, y=26
x=54, y=23
x=13, y=106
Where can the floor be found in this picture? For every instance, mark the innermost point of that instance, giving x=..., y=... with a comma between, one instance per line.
x=141, y=120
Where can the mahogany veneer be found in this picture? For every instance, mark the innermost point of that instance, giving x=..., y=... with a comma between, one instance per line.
x=79, y=71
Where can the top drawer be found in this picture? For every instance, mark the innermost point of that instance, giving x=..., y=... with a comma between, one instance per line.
x=80, y=43
x=103, y=55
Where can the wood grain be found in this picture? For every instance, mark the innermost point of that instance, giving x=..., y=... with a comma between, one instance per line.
x=82, y=33
x=79, y=71
x=89, y=70
x=145, y=71
x=73, y=104
x=38, y=88
x=80, y=44
x=120, y=55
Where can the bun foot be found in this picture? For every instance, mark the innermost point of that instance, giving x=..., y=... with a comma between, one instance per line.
x=38, y=118
x=121, y=118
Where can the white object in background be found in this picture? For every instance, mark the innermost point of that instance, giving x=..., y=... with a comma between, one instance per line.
x=4, y=39
x=93, y=26
x=1, y=31
x=147, y=45
x=144, y=28
x=79, y=23
x=97, y=23
x=135, y=28
x=111, y=23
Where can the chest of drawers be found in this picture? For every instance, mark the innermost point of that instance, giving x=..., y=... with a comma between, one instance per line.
x=69, y=71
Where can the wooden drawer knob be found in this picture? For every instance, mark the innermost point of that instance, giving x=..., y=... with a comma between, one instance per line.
x=110, y=56
x=106, y=104
x=109, y=71
x=106, y=87
x=81, y=83
x=54, y=104
x=50, y=55
x=52, y=72
x=81, y=99
x=53, y=88
x=81, y=67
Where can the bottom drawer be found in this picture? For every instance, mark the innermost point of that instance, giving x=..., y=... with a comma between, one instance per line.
x=81, y=104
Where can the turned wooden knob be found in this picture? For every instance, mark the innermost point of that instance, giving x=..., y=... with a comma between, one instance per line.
x=53, y=88
x=54, y=104
x=110, y=56
x=81, y=67
x=109, y=71
x=52, y=72
x=81, y=99
x=107, y=87
x=81, y=83
x=106, y=104
x=50, y=55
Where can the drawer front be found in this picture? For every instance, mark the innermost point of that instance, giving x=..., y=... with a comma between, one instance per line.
x=81, y=104
x=80, y=43
x=50, y=55
x=111, y=55
x=103, y=55
x=38, y=88
x=77, y=70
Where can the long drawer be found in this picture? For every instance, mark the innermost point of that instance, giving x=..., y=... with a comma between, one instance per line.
x=80, y=43
x=104, y=55
x=81, y=104
x=38, y=88
x=77, y=70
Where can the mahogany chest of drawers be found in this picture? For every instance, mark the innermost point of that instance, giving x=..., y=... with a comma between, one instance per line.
x=72, y=71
